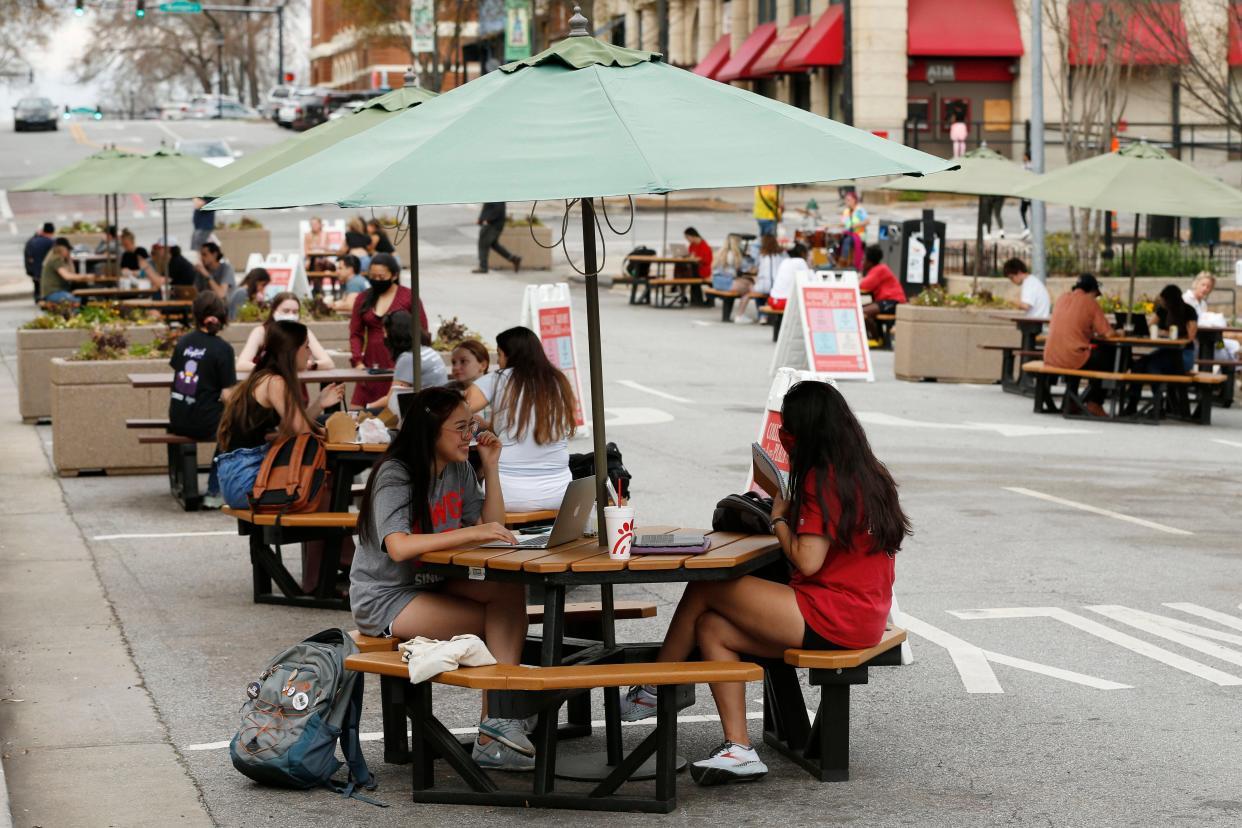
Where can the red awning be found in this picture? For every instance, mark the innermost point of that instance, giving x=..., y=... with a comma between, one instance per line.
x=822, y=45
x=769, y=63
x=1235, y=35
x=1152, y=34
x=963, y=28
x=739, y=66
x=711, y=65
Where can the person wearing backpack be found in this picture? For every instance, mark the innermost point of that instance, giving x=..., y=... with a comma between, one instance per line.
x=203, y=378
x=270, y=399
x=840, y=530
x=423, y=497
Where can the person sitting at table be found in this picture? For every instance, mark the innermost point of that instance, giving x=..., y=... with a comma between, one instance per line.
x=131, y=255
x=380, y=243
x=181, y=272
x=366, y=324
x=315, y=241
x=401, y=346
x=250, y=291
x=58, y=276
x=1174, y=319
x=108, y=244
x=1196, y=296
x=1076, y=320
x=423, y=497
x=699, y=249
x=841, y=531
x=357, y=242
x=470, y=361
x=1034, y=298
x=786, y=275
x=214, y=271
x=350, y=282
x=268, y=400
x=771, y=254
x=886, y=291
x=284, y=307
x=533, y=414
x=203, y=378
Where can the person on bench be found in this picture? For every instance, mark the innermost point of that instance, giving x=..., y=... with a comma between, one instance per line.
x=840, y=531
x=1034, y=299
x=1174, y=318
x=771, y=254
x=533, y=414
x=1076, y=319
x=886, y=292
x=422, y=498
x=786, y=273
x=285, y=307
x=1196, y=296
x=203, y=378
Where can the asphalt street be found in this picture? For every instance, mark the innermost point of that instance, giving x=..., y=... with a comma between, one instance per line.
x=1072, y=588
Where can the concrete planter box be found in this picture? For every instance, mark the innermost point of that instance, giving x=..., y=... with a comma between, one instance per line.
x=517, y=241
x=35, y=351
x=90, y=240
x=943, y=344
x=332, y=335
x=239, y=244
x=91, y=402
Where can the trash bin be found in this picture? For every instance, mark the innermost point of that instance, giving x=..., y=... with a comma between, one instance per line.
x=1205, y=231
x=914, y=252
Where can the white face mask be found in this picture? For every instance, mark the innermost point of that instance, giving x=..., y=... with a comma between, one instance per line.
x=285, y=317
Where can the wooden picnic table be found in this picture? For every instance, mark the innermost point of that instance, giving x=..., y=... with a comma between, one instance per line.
x=113, y=293
x=660, y=262
x=164, y=379
x=1029, y=326
x=584, y=562
x=166, y=307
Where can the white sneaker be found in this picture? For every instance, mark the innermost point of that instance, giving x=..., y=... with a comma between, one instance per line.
x=743, y=320
x=1000, y=234
x=496, y=755
x=509, y=732
x=212, y=502
x=1026, y=234
x=729, y=763
x=638, y=704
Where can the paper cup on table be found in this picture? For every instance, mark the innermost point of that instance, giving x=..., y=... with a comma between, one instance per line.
x=619, y=523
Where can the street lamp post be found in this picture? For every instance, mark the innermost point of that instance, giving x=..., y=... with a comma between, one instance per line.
x=219, y=75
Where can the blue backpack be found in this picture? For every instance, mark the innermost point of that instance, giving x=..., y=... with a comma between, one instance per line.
x=297, y=711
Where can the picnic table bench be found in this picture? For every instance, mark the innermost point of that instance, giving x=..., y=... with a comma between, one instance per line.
x=775, y=315
x=727, y=298
x=183, y=466
x=1012, y=379
x=1073, y=404
x=660, y=262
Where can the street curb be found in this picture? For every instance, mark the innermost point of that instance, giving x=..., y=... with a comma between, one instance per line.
x=6, y=818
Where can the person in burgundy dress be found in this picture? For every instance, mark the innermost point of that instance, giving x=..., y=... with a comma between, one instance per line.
x=366, y=324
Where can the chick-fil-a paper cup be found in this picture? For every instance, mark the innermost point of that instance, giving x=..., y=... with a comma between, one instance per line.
x=619, y=523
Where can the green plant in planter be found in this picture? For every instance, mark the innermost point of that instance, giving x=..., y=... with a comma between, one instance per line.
x=523, y=221
x=452, y=333
x=318, y=309
x=911, y=195
x=937, y=297
x=252, y=312
x=1114, y=303
x=81, y=226
x=111, y=342
x=244, y=223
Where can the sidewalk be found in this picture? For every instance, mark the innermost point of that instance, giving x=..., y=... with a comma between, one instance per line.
x=80, y=740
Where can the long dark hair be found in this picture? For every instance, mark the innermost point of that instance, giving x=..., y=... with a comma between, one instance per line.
x=256, y=279
x=209, y=311
x=1176, y=311
x=827, y=436
x=397, y=333
x=414, y=449
x=537, y=395
x=388, y=261
x=277, y=358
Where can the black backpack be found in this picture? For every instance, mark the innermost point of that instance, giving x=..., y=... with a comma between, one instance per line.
x=750, y=512
x=583, y=465
x=639, y=270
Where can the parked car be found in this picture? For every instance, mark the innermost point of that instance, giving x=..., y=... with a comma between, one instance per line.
x=215, y=152
x=276, y=96
x=174, y=110
x=35, y=113
x=345, y=109
x=221, y=108
x=85, y=112
x=312, y=107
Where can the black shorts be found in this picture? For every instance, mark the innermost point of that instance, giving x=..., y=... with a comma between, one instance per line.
x=812, y=640
x=888, y=305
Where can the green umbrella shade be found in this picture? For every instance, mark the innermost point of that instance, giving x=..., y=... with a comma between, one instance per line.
x=140, y=174
x=583, y=118
x=983, y=172
x=1138, y=179
x=79, y=174
x=218, y=182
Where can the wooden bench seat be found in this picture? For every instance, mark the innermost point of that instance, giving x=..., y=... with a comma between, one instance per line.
x=139, y=423
x=662, y=285
x=182, y=460
x=1074, y=404
x=168, y=440
x=775, y=315
x=727, y=298
x=1012, y=380
x=557, y=685
x=822, y=748
x=267, y=533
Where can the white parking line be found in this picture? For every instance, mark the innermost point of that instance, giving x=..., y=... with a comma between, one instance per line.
x=1095, y=510
x=165, y=129
x=1222, y=618
x=1227, y=443
x=653, y=392
x=466, y=731
x=161, y=535
x=6, y=212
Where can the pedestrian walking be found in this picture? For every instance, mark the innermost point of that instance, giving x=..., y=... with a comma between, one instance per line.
x=767, y=208
x=958, y=133
x=491, y=224
x=1024, y=205
x=37, y=247
x=992, y=207
x=204, y=224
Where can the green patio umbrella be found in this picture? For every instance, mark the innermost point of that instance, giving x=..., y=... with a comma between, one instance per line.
x=1138, y=179
x=984, y=173
x=582, y=119
x=218, y=182
x=81, y=178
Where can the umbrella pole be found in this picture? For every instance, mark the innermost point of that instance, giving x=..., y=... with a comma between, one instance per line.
x=416, y=318
x=978, y=245
x=664, y=244
x=1133, y=274
x=164, y=264
x=596, y=356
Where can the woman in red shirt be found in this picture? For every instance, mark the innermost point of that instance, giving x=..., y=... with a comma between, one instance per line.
x=840, y=531
x=701, y=250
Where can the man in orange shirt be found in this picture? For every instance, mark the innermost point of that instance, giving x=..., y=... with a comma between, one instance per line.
x=1076, y=320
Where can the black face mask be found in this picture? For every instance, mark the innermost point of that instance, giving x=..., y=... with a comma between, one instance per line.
x=379, y=286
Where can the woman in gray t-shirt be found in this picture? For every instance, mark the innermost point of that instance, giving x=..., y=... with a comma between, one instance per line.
x=424, y=497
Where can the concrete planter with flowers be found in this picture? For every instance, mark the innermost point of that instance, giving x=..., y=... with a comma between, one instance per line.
x=939, y=343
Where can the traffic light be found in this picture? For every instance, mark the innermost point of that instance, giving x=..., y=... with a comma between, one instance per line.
x=77, y=7
x=288, y=77
x=141, y=10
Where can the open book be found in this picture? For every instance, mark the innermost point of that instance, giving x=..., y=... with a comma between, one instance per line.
x=767, y=474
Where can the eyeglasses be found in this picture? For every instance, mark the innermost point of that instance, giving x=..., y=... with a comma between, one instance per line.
x=468, y=431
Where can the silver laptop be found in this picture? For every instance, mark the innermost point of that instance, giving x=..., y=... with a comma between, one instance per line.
x=571, y=518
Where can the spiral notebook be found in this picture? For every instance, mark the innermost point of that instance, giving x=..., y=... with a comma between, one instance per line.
x=768, y=475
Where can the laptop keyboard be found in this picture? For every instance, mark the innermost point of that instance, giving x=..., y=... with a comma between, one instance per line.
x=536, y=542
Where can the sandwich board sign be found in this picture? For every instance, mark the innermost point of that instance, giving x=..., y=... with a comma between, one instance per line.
x=547, y=310
x=333, y=235
x=286, y=271
x=823, y=330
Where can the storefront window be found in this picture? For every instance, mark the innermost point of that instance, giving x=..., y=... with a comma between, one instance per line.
x=800, y=90
x=767, y=11
x=802, y=7
x=918, y=113
x=954, y=109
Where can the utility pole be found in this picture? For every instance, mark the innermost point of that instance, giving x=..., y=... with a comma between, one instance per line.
x=1039, y=261
x=662, y=23
x=847, y=63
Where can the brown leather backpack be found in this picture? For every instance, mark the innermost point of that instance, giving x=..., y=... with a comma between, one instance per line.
x=293, y=477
